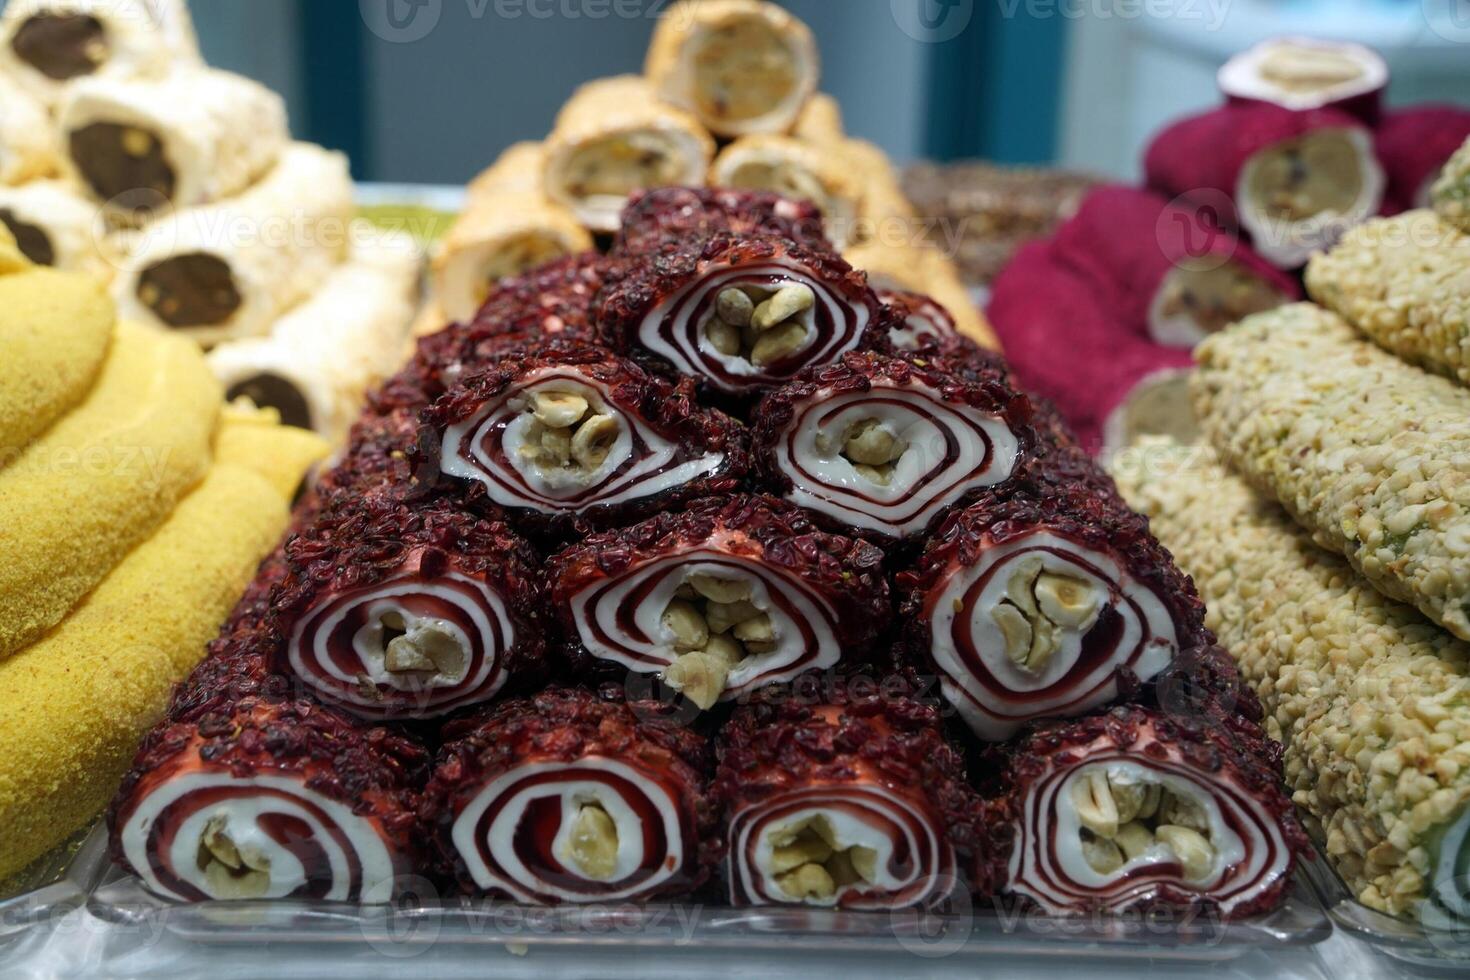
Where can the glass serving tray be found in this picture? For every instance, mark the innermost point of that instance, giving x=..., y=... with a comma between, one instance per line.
x=1403, y=939
x=972, y=932
x=54, y=885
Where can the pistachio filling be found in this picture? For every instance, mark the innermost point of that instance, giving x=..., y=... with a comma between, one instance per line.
x=742, y=70
x=520, y=254
x=1123, y=820
x=870, y=446
x=809, y=863
x=714, y=624
x=1316, y=174
x=567, y=435
x=230, y=870
x=1213, y=298
x=762, y=326
x=786, y=179
x=592, y=845
x=1039, y=608
x=1302, y=70
x=619, y=164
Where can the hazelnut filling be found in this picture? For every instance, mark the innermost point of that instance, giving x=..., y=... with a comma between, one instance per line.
x=713, y=624
x=871, y=446
x=809, y=863
x=615, y=166
x=1302, y=71
x=116, y=159
x=567, y=438
x=191, y=290
x=32, y=241
x=759, y=325
x=1318, y=174
x=1039, y=608
x=592, y=844
x=231, y=870
x=742, y=70
x=273, y=391
x=1123, y=820
x=1212, y=299
x=415, y=651
x=62, y=46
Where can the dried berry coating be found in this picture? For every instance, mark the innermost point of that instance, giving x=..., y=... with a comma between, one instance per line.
x=1227, y=836
x=422, y=605
x=669, y=214
x=638, y=443
x=1414, y=144
x=499, y=830
x=882, y=446
x=1050, y=602
x=823, y=596
x=328, y=806
x=922, y=325
x=659, y=312
x=870, y=755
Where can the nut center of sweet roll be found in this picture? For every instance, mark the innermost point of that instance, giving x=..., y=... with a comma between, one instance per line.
x=191, y=290
x=1316, y=174
x=870, y=445
x=1211, y=298
x=231, y=870
x=714, y=623
x=416, y=649
x=116, y=159
x=809, y=861
x=32, y=240
x=591, y=846
x=1123, y=818
x=567, y=437
x=61, y=46
x=786, y=179
x=1304, y=70
x=1039, y=608
x=742, y=69
x=761, y=325
x=617, y=165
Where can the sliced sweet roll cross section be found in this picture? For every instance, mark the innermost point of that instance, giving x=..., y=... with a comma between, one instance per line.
x=722, y=599
x=858, y=803
x=270, y=800
x=667, y=215
x=572, y=797
x=1045, y=605
x=923, y=325
x=1136, y=807
x=740, y=315
x=885, y=446
x=570, y=433
x=396, y=609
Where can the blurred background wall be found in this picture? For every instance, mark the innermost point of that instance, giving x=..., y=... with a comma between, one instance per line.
x=431, y=90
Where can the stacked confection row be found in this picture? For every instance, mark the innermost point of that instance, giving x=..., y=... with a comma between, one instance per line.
x=669, y=574
x=728, y=98
x=1102, y=316
x=123, y=156
x=134, y=509
x=1328, y=525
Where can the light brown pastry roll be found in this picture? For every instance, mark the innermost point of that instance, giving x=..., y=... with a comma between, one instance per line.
x=820, y=120
x=501, y=234
x=741, y=66
x=46, y=44
x=797, y=169
x=320, y=359
x=908, y=266
x=614, y=137
x=520, y=169
x=27, y=138
x=228, y=270
x=56, y=226
x=191, y=138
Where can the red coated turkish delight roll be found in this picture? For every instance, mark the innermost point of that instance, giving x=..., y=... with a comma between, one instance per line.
x=1308, y=73
x=1045, y=605
x=658, y=217
x=1173, y=274
x=722, y=598
x=885, y=446
x=571, y=797
x=272, y=799
x=1136, y=807
x=921, y=324
x=1414, y=144
x=860, y=804
x=1295, y=181
x=1065, y=343
x=739, y=315
x=407, y=609
x=571, y=433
